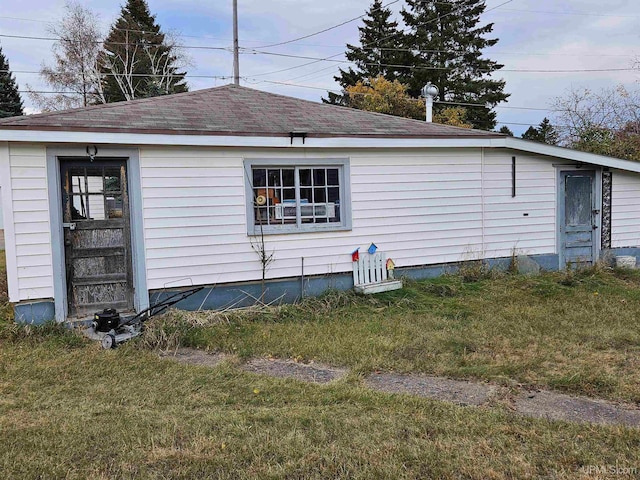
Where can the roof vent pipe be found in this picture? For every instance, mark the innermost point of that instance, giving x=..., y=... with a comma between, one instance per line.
x=429, y=92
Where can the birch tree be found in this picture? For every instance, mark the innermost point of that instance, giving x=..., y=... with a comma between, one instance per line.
x=74, y=72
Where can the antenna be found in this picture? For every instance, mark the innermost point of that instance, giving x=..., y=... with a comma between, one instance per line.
x=236, y=60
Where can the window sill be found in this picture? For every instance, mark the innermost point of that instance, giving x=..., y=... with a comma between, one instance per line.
x=288, y=230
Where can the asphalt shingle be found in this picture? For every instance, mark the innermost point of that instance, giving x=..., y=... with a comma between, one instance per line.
x=234, y=110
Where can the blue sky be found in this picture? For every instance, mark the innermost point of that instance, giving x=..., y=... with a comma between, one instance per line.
x=534, y=35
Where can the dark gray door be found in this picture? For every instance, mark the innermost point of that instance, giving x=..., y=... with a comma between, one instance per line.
x=577, y=218
x=97, y=236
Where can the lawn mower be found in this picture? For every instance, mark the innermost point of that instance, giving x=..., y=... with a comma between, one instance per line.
x=113, y=329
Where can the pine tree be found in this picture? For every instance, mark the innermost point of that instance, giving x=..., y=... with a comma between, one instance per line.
x=506, y=130
x=448, y=49
x=543, y=133
x=10, y=101
x=377, y=53
x=139, y=59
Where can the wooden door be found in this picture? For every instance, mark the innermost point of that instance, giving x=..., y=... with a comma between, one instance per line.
x=97, y=236
x=577, y=218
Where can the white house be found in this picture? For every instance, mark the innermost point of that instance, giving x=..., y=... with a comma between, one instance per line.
x=118, y=204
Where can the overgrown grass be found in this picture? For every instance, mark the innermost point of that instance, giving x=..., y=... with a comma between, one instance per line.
x=88, y=413
x=576, y=332
x=71, y=410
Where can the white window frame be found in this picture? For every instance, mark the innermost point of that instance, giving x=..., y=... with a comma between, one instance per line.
x=344, y=172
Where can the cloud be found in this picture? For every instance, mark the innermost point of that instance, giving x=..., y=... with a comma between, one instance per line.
x=580, y=35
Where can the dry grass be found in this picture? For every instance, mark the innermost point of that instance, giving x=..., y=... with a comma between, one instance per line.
x=575, y=332
x=71, y=410
x=87, y=413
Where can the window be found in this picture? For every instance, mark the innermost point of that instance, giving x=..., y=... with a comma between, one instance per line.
x=297, y=196
x=95, y=193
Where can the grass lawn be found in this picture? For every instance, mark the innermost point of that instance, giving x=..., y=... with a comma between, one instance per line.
x=71, y=410
x=577, y=333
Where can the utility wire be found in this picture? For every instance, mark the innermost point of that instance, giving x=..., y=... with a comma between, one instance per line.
x=30, y=72
x=326, y=29
x=413, y=67
x=455, y=10
x=102, y=42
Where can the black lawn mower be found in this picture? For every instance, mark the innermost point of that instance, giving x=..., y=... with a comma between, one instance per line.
x=112, y=329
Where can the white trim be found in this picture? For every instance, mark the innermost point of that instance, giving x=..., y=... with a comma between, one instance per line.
x=141, y=139
x=9, y=228
x=569, y=154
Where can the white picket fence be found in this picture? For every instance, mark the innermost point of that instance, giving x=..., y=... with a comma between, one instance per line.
x=370, y=274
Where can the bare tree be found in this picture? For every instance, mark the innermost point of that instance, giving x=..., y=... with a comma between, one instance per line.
x=606, y=122
x=74, y=73
x=583, y=110
x=161, y=61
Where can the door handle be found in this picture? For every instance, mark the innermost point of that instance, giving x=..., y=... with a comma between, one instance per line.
x=595, y=227
x=70, y=226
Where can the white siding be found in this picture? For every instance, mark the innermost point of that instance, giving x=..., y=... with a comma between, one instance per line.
x=505, y=225
x=419, y=207
x=31, y=221
x=625, y=209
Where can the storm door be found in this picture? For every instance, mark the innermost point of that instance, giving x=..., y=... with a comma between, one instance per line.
x=577, y=218
x=97, y=238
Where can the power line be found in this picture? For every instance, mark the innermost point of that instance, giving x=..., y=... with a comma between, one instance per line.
x=102, y=42
x=571, y=13
x=31, y=72
x=379, y=40
x=413, y=67
x=326, y=29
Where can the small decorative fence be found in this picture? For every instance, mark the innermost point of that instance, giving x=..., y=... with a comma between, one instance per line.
x=373, y=272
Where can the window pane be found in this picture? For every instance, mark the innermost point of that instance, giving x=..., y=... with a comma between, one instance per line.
x=289, y=194
x=261, y=216
x=259, y=177
x=288, y=178
x=578, y=200
x=114, y=206
x=79, y=207
x=305, y=177
x=334, y=195
x=319, y=195
x=112, y=183
x=306, y=195
x=332, y=176
x=319, y=177
x=273, y=178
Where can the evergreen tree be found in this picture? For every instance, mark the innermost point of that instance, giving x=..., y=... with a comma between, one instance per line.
x=447, y=45
x=139, y=59
x=10, y=101
x=506, y=130
x=377, y=52
x=543, y=133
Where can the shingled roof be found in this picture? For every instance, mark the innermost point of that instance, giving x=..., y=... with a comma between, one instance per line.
x=234, y=110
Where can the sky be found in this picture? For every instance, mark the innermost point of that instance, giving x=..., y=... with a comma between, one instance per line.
x=539, y=41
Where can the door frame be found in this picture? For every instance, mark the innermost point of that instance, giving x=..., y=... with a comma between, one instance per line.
x=134, y=185
x=597, y=192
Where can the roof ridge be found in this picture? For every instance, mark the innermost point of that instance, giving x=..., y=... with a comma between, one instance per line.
x=10, y=120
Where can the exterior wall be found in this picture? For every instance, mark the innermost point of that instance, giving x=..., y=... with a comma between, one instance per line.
x=29, y=236
x=421, y=207
x=625, y=209
x=526, y=222
x=1, y=217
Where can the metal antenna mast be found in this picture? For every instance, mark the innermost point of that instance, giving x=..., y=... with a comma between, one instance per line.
x=236, y=60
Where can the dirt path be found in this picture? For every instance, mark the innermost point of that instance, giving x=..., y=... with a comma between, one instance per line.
x=537, y=404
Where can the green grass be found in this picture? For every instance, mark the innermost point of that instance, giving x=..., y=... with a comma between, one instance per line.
x=74, y=411
x=71, y=410
x=575, y=332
